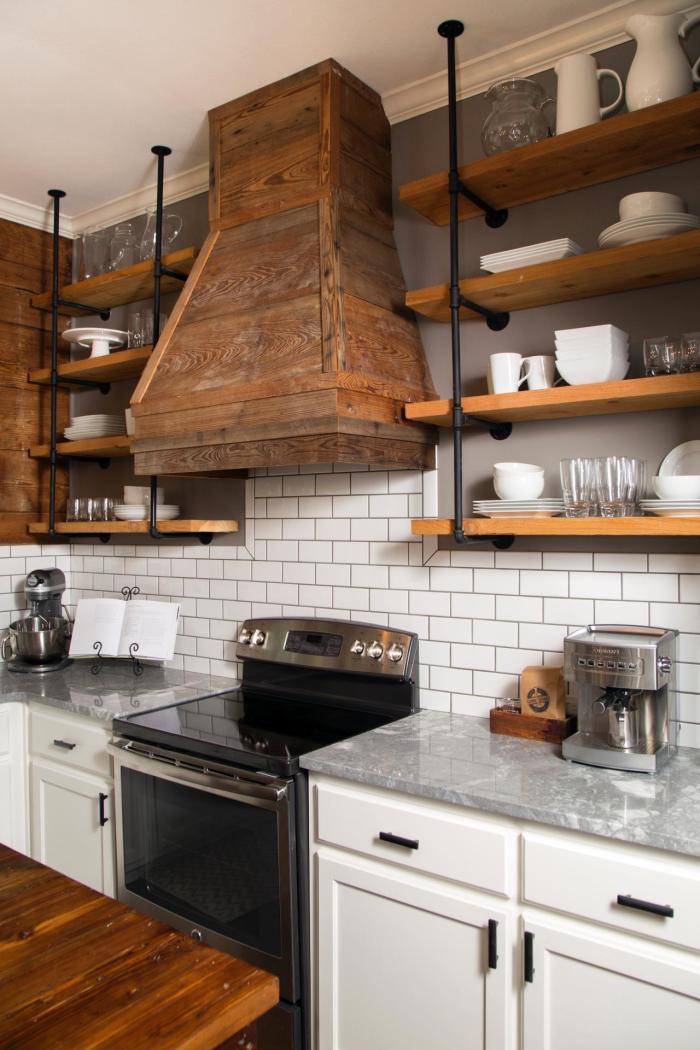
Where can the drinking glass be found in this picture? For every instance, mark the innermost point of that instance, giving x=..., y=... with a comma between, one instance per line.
x=104, y=507
x=615, y=484
x=123, y=248
x=662, y=356
x=690, y=352
x=94, y=244
x=135, y=327
x=577, y=485
x=73, y=509
x=636, y=485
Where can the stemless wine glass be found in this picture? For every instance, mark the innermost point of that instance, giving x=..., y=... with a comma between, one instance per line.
x=577, y=485
x=662, y=356
x=690, y=352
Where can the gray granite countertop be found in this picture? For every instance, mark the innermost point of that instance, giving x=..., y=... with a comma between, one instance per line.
x=454, y=758
x=113, y=693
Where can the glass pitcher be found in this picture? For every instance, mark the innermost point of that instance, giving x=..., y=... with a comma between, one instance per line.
x=123, y=248
x=516, y=116
x=172, y=224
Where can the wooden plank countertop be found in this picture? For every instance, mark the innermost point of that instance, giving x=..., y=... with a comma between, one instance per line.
x=79, y=970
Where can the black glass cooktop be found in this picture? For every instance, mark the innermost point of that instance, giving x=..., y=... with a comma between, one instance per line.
x=257, y=731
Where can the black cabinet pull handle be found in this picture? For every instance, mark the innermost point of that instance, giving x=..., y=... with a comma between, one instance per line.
x=493, y=944
x=398, y=840
x=65, y=744
x=528, y=961
x=103, y=818
x=654, y=909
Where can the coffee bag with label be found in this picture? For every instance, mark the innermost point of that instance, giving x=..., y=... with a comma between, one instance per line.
x=542, y=692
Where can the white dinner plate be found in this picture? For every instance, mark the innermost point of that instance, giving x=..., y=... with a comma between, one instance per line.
x=520, y=513
x=683, y=459
x=633, y=231
x=674, y=512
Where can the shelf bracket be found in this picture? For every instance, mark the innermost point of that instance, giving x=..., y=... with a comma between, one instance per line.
x=90, y=384
x=104, y=313
x=153, y=530
x=495, y=319
x=498, y=431
x=167, y=272
x=102, y=462
x=493, y=217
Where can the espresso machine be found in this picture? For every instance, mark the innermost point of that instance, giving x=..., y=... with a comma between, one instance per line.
x=625, y=684
x=38, y=642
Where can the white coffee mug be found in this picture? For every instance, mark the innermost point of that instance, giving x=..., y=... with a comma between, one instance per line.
x=578, y=98
x=504, y=372
x=540, y=371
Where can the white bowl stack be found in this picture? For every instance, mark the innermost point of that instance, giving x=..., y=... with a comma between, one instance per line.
x=648, y=216
x=136, y=505
x=596, y=354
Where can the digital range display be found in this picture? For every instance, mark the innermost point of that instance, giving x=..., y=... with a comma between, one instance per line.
x=311, y=643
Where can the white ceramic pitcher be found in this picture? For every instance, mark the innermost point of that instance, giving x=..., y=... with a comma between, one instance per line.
x=578, y=99
x=660, y=69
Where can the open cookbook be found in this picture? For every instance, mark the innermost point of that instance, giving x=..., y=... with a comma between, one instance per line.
x=117, y=625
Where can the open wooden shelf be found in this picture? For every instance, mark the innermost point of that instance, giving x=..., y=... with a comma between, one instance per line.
x=603, y=272
x=127, y=285
x=176, y=526
x=91, y=448
x=622, y=145
x=122, y=364
x=564, y=402
x=642, y=526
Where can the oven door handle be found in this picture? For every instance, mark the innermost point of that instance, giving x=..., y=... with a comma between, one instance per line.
x=190, y=770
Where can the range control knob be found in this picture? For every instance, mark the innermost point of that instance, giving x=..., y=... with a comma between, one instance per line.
x=258, y=637
x=394, y=652
x=357, y=648
x=375, y=650
x=244, y=637
x=664, y=664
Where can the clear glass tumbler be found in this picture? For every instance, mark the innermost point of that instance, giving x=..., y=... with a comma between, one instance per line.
x=662, y=356
x=95, y=250
x=690, y=352
x=578, y=487
x=636, y=485
x=615, y=486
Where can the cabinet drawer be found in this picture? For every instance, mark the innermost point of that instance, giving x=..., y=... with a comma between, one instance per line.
x=586, y=882
x=437, y=841
x=63, y=738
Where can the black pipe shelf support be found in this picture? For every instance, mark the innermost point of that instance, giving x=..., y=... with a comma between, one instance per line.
x=89, y=384
x=450, y=30
x=493, y=217
x=103, y=314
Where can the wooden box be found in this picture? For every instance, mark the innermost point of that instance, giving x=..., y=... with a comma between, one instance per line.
x=531, y=727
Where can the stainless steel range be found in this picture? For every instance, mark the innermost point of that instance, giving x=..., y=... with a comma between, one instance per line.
x=212, y=808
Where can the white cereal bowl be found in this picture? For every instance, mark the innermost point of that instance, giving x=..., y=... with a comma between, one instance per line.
x=677, y=486
x=640, y=205
x=517, y=468
x=519, y=486
x=591, y=370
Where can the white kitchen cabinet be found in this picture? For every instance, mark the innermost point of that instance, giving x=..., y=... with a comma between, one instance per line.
x=14, y=820
x=403, y=962
x=71, y=805
x=68, y=810
x=401, y=939
x=603, y=992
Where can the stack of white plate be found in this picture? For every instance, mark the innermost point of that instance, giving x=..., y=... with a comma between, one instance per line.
x=545, y=251
x=683, y=463
x=95, y=426
x=134, y=512
x=519, y=508
x=647, y=228
x=595, y=354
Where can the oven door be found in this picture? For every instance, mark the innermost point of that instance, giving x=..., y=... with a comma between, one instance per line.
x=210, y=850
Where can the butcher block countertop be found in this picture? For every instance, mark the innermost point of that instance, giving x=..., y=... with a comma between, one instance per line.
x=79, y=970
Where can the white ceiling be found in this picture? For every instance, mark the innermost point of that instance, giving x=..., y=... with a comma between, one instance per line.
x=89, y=85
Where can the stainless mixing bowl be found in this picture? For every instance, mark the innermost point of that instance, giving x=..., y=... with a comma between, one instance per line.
x=36, y=639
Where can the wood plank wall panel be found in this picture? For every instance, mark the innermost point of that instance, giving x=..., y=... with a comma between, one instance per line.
x=25, y=270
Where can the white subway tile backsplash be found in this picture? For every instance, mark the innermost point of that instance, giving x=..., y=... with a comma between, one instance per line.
x=336, y=542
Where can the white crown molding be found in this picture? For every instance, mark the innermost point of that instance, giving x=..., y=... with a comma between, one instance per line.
x=39, y=218
x=533, y=55
x=175, y=188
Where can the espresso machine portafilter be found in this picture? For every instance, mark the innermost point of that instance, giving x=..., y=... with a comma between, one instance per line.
x=625, y=684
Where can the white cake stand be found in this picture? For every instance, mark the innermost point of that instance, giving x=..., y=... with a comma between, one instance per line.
x=97, y=340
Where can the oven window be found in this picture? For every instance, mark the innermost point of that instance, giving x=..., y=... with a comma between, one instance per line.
x=206, y=857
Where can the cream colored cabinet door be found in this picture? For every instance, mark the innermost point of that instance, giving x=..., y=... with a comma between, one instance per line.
x=594, y=992
x=13, y=777
x=403, y=963
x=67, y=807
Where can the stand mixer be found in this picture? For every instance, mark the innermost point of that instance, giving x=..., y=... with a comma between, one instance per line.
x=626, y=694
x=38, y=642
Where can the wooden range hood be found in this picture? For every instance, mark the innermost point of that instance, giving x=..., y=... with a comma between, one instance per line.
x=290, y=342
